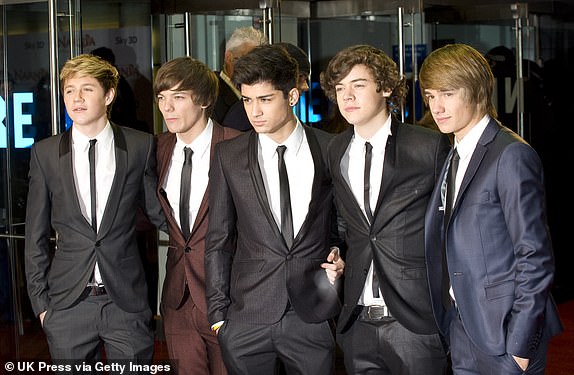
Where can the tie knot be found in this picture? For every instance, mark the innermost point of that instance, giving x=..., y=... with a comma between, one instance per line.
x=455, y=155
x=188, y=153
x=93, y=142
x=281, y=150
x=368, y=146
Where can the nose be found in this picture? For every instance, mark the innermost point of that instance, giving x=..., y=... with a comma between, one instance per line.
x=347, y=94
x=436, y=105
x=256, y=109
x=167, y=105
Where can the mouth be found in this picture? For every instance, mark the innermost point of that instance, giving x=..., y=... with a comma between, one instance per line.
x=350, y=109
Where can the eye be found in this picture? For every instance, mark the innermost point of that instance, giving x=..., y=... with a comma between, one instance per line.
x=246, y=100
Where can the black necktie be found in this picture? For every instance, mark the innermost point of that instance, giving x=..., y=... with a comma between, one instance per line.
x=450, y=186
x=184, y=192
x=92, y=160
x=367, y=181
x=367, y=203
x=285, y=199
x=449, y=201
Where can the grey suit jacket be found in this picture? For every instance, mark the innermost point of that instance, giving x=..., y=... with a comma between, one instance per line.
x=395, y=241
x=57, y=282
x=498, y=248
x=251, y=274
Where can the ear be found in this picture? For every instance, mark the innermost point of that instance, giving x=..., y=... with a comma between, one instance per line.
x=293, y=96
x=204, y=106
x=110, y=95
x=387, y=93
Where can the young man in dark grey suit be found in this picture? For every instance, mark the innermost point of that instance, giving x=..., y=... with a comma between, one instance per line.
x=270, y=272
x=85, y=185
x=383, y=173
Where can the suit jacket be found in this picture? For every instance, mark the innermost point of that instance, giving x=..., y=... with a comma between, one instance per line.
x=251, y=273
x=395, y=241
x=53, y=204
x=185, y=266
x=498, y=248
x=229, y=110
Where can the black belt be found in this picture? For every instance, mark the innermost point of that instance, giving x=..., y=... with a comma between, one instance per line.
x=96, y=290
x=374, y=313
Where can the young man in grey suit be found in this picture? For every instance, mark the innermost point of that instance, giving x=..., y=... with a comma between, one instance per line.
x=85, y=185
x=270, y=272
x=488, y=249
x=383, y=173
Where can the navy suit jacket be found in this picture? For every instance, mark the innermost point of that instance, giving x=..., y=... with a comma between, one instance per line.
x=251, y=274
x=498, y=248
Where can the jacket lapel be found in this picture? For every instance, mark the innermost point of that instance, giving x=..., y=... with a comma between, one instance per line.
x=257, y=180
x=121, y=151
x=389, y=166
x=487, y=136
x=216, y=137
x=66, y=167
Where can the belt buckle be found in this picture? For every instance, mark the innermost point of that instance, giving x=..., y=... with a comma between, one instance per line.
x=377, y=312
x=97, y=290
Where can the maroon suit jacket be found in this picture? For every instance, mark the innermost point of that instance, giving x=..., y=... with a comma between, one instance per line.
x=185, y=261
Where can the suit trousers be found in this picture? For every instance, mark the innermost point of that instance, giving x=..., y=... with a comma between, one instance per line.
x=192, y=345
x=75, y=334
x=467, y=359
x=386, y=347
x=304, y=348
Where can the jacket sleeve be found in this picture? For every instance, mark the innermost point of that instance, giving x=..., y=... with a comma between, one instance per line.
x=38, y=231
x=220, y=241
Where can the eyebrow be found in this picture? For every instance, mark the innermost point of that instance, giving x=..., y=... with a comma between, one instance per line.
x=353, y=81
x=260, y=97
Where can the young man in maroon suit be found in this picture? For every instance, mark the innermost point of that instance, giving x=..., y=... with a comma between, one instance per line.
x=185, y=90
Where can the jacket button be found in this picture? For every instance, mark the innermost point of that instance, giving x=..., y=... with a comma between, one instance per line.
x=98, y=243
x=187, y=249
x=289, y=257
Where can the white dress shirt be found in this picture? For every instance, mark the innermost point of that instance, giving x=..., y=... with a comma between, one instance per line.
x=300, y=170
x=200, y=160
x=105, y=172
x=353, y=169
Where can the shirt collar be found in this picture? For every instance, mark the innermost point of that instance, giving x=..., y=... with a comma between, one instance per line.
x=293, y=142
x=379, y=139
x=467, y=145
x=105, y=136
x=201, y=144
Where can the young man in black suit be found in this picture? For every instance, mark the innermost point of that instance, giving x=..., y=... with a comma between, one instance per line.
x=270, y=268
x=86, y=185
x=383, y=173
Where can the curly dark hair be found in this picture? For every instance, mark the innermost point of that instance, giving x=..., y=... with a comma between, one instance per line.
x=382, y=67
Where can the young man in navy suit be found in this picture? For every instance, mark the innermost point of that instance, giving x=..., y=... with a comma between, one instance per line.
x=383, y=173
x=270, y=269
x=93, y=289
x=488, y=249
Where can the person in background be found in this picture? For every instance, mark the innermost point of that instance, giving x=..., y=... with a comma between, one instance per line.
x=302, y=62
x=383, y=174
x=185, y=91
x=488, y=249
x=271, y=264
x=92, y=290
x=228, y=110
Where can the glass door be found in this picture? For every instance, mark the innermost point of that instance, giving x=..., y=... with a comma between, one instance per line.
x=25, y=108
